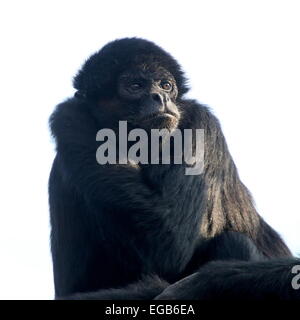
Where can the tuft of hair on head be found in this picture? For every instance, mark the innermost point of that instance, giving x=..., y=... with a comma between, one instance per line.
x=98, y=75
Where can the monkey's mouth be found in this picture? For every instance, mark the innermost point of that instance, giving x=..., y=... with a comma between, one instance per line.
x=160, y=120
x=163, y=116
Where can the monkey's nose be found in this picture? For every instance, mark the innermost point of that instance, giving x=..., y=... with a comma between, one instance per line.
x=157, y=98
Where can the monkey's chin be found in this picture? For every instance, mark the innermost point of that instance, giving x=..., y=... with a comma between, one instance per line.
x=160, y=121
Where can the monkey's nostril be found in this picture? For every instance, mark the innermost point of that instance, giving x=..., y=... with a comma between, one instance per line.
x=156, y=97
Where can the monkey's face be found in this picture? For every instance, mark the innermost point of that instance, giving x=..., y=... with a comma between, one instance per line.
x=148, y=95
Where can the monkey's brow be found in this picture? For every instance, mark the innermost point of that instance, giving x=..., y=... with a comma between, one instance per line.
x=130, y=75
x=139, y=75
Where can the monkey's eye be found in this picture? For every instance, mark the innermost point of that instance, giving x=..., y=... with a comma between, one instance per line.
x=166, y=85
x=135, y=86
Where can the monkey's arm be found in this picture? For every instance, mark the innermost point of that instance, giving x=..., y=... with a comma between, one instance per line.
x=237, y=280
x=75, y=134
x=145, y=289
x=230, y=267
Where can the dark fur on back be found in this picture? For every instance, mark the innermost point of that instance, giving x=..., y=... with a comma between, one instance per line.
x=98, y=75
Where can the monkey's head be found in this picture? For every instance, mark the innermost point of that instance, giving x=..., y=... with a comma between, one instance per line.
x=141, y=79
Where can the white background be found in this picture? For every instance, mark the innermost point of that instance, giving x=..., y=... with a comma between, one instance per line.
x=242, y=58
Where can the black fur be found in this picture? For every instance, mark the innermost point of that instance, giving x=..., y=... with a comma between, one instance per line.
x=237, y=280
x=126, y=231
x=98, y=75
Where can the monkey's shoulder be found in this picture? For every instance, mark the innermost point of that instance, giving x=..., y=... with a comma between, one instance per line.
x=72, y=115
x=197, y=115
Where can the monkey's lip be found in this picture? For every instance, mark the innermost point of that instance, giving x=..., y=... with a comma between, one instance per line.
x=159, y=115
